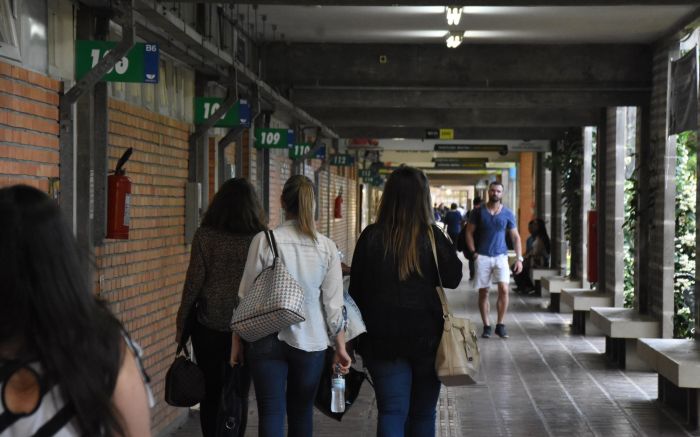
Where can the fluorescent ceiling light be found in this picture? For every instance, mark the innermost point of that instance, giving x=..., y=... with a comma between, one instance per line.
x=454, y=39
x=454, y=14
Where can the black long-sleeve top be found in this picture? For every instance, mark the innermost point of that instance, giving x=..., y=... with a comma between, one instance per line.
x=403, y=318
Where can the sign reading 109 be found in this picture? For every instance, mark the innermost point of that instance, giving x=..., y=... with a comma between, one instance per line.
x=266, y=138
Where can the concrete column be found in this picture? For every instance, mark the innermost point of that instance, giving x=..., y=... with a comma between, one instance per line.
x=543, y=186
x=614, y=204
x=644, y=233
x=558, y=241
x=601, y=194
x=586, y=180
x=576, y=216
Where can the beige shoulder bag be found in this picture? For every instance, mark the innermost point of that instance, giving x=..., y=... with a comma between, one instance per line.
x=457, y=360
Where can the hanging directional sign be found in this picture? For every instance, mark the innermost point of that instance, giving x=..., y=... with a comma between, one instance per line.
x=238, y=115
x=365, y=173
x=467, y=163
x=139, y=65
x=471, y=148
x=343, y=160
x=299, y=150
x=447, y=134
x=268, y=138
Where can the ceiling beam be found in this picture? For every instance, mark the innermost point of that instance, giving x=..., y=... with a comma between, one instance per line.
x=436, y=98
x=479, y=66
x=462, y=3
x=461, y=133
x=453, y=118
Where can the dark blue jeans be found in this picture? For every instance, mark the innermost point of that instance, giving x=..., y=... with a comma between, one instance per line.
x=407, y=392
x=276, y=366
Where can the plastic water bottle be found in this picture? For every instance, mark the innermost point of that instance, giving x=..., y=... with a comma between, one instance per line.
x=337, y=393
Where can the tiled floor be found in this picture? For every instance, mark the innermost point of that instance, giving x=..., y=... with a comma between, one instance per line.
x=542, y=381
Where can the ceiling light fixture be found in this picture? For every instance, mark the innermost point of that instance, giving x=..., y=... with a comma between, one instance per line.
x=454, y=14
x=454, y=39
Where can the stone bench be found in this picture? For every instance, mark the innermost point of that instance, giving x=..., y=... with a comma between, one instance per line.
x=580, y=300
x=552, y=286
x=677, y=362
x=536, y=276
x=622, y=327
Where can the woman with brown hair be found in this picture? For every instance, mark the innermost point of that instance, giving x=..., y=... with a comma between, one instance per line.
x=286, y=366
x=393, y=282
x=219, y=252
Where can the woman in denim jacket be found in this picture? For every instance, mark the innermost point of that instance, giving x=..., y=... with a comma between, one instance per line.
x=286, y=366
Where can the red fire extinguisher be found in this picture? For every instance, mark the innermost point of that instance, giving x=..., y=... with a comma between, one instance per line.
x=119, y=200
x=338, y=207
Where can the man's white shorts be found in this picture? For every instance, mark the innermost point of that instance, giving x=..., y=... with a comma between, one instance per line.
x=491, y=269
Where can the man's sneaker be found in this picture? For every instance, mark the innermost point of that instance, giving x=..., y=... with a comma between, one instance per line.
x=487, y=332
x=500, y=330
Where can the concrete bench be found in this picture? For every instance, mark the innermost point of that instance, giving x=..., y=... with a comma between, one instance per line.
x=580, y=300
x=622, y=327
x=552, y=286
x=677, y=362
x=536, y=276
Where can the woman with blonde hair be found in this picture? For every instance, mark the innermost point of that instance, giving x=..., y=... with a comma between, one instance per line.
x=286, y=366
x=393, y=282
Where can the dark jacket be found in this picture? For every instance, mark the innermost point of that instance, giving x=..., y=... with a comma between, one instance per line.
x=216, y=266
x=403, y=318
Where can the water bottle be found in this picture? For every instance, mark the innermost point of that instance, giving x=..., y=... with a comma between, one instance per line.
x=337, y=392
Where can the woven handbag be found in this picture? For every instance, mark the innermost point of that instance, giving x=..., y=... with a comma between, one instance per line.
x=274, y=301
x=457, y=360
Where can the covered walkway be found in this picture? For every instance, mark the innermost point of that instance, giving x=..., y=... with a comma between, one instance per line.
x=542, y=381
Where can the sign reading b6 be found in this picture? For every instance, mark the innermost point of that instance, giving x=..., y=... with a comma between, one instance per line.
x=139, y=65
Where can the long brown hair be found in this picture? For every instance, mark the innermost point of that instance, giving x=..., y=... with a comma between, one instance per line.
x=404, y=214
x=236, y=209
x=298, y=200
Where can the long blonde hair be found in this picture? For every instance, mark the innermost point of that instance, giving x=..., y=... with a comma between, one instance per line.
x=298, y=199
x=404, y=215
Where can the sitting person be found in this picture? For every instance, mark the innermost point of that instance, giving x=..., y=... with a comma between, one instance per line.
x=536, y=255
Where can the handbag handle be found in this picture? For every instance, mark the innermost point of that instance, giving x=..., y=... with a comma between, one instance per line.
x=273, y=244
x=440, y=290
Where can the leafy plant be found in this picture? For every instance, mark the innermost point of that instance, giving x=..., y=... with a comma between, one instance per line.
x=684, y=254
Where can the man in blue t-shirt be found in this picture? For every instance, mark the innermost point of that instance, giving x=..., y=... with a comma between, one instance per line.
x=491, y=255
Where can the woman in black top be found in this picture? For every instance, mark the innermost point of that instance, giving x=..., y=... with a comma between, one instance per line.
x=393, y=281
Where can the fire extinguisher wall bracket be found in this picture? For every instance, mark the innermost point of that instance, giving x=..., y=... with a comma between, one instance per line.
x=119, y=200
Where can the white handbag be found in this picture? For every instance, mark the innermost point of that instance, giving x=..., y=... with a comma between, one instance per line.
x=274, y=301
x=355, y=325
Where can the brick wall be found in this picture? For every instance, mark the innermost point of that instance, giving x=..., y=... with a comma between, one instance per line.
x=29, y=151
x=142, y=278
x=662, y=180
x=280, y=171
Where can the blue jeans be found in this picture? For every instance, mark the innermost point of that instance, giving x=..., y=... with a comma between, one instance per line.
x=407, y=392
x=274, y=366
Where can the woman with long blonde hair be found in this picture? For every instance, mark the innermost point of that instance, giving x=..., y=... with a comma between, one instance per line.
x=393, y=282
x=286, y=366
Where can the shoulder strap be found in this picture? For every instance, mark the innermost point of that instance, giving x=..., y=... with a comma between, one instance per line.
x=273, y=244
x=440, y=290
x=57, y=422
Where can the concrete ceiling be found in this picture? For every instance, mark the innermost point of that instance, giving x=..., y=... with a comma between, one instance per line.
x=482, y=24
x=527, y=69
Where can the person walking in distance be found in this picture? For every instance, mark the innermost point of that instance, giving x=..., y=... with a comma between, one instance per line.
x=491, y=255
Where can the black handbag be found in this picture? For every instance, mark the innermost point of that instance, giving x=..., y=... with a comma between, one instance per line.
x=184, y=381
x=353, y=384
x=232, y=414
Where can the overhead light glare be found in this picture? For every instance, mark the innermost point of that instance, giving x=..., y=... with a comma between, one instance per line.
x=454, y=14
x=454, y=39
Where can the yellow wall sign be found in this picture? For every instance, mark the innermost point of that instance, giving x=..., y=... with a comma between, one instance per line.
x=447, y=134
